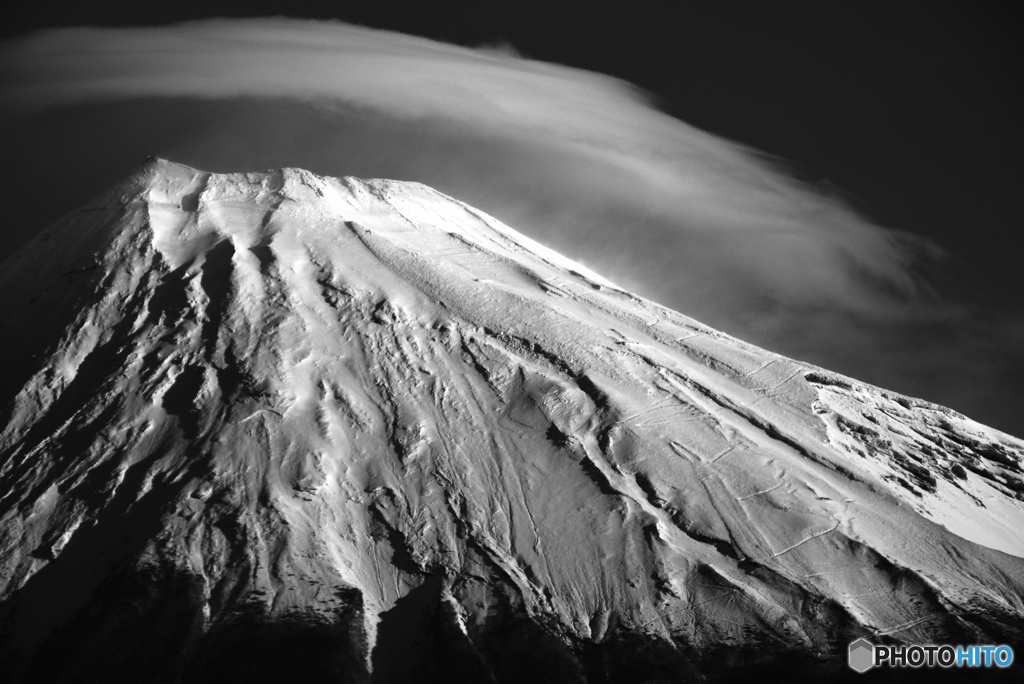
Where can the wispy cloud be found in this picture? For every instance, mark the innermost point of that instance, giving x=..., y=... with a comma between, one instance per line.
x=581, y=161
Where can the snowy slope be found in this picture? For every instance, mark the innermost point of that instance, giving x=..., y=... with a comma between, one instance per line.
x=364, y=419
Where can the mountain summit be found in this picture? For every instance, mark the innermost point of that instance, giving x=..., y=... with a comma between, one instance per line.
x=275, y=426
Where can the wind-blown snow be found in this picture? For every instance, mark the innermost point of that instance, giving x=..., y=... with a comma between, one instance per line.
x=332, y=398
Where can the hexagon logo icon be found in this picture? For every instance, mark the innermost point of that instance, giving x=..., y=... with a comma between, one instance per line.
x=862, y=655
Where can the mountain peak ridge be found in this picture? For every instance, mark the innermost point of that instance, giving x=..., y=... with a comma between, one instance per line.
x=318, y=397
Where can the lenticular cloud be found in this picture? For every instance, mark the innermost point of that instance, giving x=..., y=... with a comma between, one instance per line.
x=581, y=161
x=704, y=188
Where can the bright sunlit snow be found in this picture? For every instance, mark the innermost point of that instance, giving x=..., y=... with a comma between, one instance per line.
x=298, y=389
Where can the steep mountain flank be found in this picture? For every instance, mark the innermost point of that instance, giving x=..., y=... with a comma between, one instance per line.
x=276, y=426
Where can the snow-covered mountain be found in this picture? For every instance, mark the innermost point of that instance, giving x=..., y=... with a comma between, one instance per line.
x=274, y=426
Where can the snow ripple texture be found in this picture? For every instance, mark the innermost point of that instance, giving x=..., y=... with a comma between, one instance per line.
x=239, y=408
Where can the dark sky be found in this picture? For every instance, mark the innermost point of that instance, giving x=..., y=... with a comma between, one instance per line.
x=908, y=110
